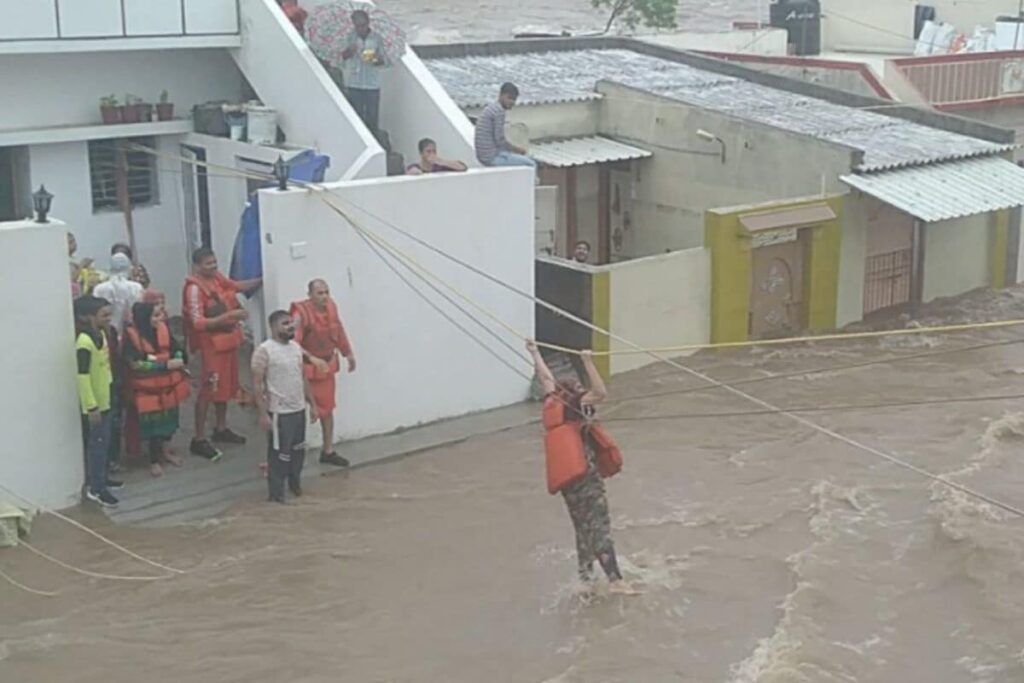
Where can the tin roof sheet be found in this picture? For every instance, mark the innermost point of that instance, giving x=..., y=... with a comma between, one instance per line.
x=581, y=151
x=941, y=192
x=571, y=75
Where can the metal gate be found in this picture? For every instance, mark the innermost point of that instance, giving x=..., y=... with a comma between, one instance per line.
x=887, y=279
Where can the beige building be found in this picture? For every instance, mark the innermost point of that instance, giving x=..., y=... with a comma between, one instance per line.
x=816, y=207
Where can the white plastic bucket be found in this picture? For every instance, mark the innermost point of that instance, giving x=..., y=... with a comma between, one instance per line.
x=262, y=125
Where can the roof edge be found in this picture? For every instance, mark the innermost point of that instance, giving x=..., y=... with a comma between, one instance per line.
x=924, y=116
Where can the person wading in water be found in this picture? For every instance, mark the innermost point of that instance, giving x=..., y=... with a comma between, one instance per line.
x=583, y=489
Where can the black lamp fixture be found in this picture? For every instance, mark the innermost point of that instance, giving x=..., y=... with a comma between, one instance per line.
x=42, y=201
x=281, y=171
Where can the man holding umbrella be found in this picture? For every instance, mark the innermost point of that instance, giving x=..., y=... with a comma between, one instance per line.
x=364, y=56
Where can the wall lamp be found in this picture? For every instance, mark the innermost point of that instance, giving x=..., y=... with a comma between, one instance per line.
x=42, y=201
x=711, y=137
x=281, y=173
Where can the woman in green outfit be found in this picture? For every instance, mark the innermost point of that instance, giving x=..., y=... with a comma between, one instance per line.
x=157, y=379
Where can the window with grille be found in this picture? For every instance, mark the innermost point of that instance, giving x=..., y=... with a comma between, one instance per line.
x=140, y=173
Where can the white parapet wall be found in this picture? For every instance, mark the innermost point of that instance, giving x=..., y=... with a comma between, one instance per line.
x=657, y=302
x=312, y=110
x=42, y=456
x=414, y=366
x=415, y=106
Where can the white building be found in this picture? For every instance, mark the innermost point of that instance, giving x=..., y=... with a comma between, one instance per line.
x=59, y=58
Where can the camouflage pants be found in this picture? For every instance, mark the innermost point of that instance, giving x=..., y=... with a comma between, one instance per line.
x=588, y=508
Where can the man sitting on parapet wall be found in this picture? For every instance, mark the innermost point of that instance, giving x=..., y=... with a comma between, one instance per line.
x=492, y=147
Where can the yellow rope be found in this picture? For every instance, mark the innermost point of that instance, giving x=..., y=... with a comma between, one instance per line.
x=941, y=329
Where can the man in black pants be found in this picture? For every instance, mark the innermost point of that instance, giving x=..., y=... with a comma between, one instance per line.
x=364, y=57
x=282, y=394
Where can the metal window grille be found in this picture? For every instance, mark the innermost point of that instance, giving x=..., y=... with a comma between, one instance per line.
x=140, y=173
x=887, y=279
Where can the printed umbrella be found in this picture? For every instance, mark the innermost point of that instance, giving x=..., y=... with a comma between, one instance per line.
x=329, y=25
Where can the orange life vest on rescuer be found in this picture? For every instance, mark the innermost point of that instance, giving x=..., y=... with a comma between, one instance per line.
x=153, y=392
x=214, y=303
x=321, y=338
x=564, y=451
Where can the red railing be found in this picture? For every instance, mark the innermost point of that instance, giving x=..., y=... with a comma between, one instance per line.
x=965, y=80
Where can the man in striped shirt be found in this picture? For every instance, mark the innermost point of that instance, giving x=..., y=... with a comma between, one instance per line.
x=492, y=148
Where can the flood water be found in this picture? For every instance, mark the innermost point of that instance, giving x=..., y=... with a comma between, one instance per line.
x=463, y=20
x=764, y=552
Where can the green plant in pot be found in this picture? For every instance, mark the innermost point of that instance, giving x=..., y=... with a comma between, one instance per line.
x=164, y=108
x=145, y=111
x=110, y=110
x=131, y=112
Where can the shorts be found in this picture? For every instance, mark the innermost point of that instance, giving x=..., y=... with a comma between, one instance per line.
x=218, y=380
x=323, y=394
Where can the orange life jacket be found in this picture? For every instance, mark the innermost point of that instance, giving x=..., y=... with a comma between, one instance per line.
x=321, y=340
x=219, y=340
x=153, y=392
x=565, y=454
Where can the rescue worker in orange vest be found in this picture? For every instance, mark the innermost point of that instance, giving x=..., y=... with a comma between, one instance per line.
x=157, y=381
x=585, y=495
x=213, y=321
x=321, y=334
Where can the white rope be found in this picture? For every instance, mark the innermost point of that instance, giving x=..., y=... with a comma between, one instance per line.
x=9, y=579
x=94, y=534
x=86, y=572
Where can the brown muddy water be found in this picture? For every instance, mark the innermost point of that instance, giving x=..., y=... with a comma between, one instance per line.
x=763, y=552
x=462, y=20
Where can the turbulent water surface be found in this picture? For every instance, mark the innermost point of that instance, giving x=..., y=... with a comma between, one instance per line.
x=458, y=20
x=763, y=551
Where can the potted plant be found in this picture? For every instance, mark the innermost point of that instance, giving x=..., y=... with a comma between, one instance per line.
x=110, y=110
x=164, y=108
x=130, y=112
x=145, y=111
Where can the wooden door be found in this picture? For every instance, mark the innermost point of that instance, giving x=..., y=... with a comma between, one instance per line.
x=777, y=287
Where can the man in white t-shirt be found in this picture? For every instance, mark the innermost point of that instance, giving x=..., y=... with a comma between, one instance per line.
x=282, y=394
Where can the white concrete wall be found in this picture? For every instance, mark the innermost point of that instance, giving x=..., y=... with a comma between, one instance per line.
x=768, y=41
x=562, y=120
x=888, y=25
x=852, y=252
x=957, y=256
x=869, y=25
x=64, y=89
x=677, y=185
x=312, y=111
x=70, y=19
x=415, y=106
x=414, y=366
x=660, y=301
x=42, y=455
x=159, y=231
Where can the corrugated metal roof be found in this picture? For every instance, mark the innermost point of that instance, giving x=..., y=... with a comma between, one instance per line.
x=572, y=75
x=941, y=192
x=581, y=151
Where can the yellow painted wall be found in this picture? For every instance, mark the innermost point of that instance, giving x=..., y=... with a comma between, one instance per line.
x=731, y=264
x=601, y=298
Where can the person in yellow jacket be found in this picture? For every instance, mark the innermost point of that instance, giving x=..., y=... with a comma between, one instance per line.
x=92, y=352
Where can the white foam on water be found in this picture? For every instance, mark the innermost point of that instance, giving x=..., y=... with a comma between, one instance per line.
x=783, y=657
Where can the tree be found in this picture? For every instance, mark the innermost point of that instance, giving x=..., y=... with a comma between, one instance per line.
x=633, y=13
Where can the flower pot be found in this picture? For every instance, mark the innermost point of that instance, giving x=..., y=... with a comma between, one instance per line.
x=164, y=111
x=130, y=113
x=110, y=114
x=145, y=112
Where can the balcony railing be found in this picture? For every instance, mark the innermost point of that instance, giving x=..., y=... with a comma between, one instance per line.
x=104, y=19
x=949, y=81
